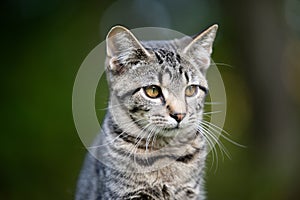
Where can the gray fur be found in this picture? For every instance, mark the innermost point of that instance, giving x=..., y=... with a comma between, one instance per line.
x=143, y=151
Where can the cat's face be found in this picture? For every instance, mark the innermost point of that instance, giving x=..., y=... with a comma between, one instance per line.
x=158, y=86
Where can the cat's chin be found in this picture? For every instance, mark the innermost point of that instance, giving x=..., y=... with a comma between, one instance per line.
x=170, y=133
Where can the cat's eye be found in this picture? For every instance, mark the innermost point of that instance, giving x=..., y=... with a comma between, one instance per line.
x=152, y=91
x=191, y=90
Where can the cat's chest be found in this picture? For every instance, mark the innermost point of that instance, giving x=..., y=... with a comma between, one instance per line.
x=170, y=183
x=175, y=174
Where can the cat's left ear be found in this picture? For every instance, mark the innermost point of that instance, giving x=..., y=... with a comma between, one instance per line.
x=200, y=48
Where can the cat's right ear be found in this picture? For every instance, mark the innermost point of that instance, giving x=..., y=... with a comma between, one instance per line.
x=121, y=46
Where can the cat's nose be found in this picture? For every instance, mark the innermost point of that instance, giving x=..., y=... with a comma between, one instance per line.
x=178, y=116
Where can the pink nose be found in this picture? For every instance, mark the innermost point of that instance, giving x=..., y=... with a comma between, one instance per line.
x=178, y=116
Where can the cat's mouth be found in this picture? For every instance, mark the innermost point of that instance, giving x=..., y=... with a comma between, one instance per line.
x=166, y=127
x=171, y=128
x=176, y=127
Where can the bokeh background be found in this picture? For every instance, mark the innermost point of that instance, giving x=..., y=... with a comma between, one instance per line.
x=43, y=44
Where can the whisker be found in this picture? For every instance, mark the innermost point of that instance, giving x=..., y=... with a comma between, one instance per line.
x=214, y=140
x=223, y=64
x=218, y=142
x=210, y=146
x=154, y=139
x=151, y=133
x=138, y=143
x=110, y=106
x=213, y=103
x=130, y=124
x=212, y=112
x=215, y=157
x=133, y=150
x=220, y=131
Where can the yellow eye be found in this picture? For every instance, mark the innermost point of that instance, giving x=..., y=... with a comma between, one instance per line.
x=152, y=91
x=191, y=90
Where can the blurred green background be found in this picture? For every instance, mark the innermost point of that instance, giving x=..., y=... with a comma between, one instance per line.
x=45, y=42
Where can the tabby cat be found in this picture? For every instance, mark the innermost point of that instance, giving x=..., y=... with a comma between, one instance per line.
x=151, y=145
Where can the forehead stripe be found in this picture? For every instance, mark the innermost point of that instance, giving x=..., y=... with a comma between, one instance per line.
x=186, y=77
x=160, y=61
x=160, y=77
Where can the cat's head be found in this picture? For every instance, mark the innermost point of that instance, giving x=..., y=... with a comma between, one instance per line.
x=157, y=86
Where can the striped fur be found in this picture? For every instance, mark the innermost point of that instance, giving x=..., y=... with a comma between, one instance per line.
x=150, y=148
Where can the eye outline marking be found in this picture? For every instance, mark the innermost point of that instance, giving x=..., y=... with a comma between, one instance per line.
x=204, y=89
x=197, y=87
x=159, y=95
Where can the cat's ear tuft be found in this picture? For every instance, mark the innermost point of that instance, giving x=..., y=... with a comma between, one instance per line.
x=120, y=40
x=200, y=48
